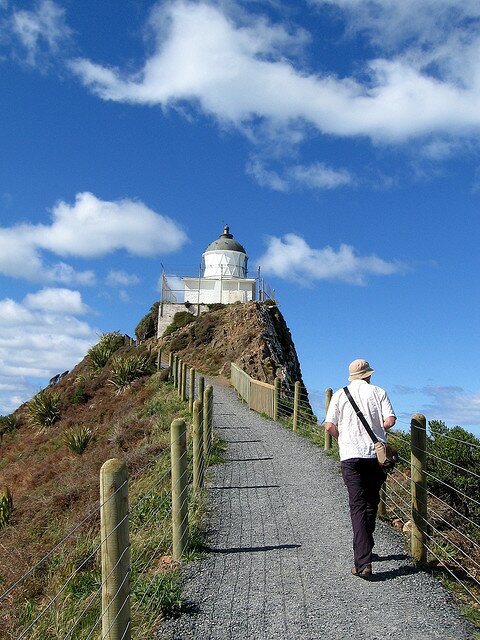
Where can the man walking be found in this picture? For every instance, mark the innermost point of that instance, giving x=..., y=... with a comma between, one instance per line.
x=361, y=472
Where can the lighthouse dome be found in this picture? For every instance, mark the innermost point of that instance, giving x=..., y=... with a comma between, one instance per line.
x=225, y=242
x=225, y=258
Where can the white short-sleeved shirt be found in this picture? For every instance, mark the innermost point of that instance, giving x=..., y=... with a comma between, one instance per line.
x=353, y=439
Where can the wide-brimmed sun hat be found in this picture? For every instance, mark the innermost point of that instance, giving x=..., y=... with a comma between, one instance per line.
x=359, y=369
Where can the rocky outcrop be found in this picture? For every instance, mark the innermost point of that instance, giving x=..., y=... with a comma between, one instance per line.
x=254, y=335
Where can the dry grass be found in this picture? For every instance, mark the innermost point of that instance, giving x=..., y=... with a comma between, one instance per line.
x=53, y=490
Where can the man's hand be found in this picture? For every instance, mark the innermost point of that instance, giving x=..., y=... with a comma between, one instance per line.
x=389, y=422
x=332, y=429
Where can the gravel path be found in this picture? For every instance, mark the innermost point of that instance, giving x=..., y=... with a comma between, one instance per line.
x=280, y=554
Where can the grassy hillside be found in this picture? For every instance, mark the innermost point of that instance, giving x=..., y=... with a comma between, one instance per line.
x=126, y=407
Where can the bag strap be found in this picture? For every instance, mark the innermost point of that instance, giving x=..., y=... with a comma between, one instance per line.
x=360, y=415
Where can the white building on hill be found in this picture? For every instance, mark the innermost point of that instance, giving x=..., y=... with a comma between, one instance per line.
x=224, y=277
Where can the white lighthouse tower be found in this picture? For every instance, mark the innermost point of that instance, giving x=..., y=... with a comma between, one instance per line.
x=224, y=277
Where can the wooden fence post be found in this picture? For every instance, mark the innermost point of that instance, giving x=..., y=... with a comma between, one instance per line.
x=276, y=397
x=296, y=396
x=170, y=364
x=175, y=372
x=418, y=440
x=180, y=380
x=159, y=360
x=201, y=388
x=198, y=463
x=191, y=392
x=207, y=420
x=178, y=431
x=115, y=550
x=183, y=394
x=328, y=437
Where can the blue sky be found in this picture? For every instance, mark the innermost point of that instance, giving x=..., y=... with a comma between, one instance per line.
x=338, y=139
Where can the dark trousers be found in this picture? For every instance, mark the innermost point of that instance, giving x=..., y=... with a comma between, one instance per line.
x=363, y=478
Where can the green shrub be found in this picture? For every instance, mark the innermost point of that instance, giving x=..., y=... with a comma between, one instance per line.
x=101, y=353
x=216, y=306
x=126, y=369
x=147, y=327
x=77, y=439
x=8, y=424
x=453, y=458
x=180, y=319
x=204, y=329
x=179, y=343
x=44, y=409
x=6, y=507
x=79, y=396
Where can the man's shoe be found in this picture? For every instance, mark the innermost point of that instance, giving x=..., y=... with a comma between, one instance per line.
x=365, y=572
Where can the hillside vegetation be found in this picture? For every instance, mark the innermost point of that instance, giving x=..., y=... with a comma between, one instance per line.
x=114, y=404
x=254, y=335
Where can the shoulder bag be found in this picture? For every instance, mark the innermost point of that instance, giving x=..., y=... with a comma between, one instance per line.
x=387, y=456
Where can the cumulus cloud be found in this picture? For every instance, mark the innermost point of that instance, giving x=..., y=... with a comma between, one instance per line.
x=66, y=274
x=266, y=177
x=390, y=23
x=86, y=229
x=241, y=72
x=92, y=227
x=314, y=176
x=39, y=337
x=122, y=279
x=454, y=405
x=63, y=301
x=293, y=259
x=319, y=176
x=38, y=33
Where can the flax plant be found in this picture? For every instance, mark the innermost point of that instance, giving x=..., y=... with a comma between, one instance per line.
x=77, y=439
x=126, y=369
x=44, y=409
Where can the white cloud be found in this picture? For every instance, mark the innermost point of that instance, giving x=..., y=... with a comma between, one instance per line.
x=39, y=337
x=55, y=301
x=66, y=274
x=293, y=259
x=266, y=177
x=452, y=404
x=240, y=73
x=438, y=149
x=89, y=228
x=390, y=22
x=314, y=176
x=319, y=176
x=92, y=227
x=122, y=279
x=13, y=314
x=40, y=32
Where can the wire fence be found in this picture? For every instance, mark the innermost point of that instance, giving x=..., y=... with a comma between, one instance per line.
x=68, y=592
x=445, y=517
x=181, y=286
x=74, y=590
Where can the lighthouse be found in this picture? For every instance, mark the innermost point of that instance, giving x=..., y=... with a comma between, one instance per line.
x=224, y=279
